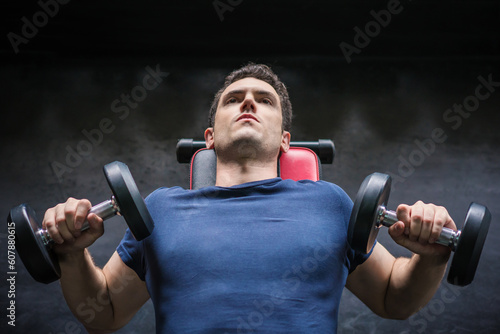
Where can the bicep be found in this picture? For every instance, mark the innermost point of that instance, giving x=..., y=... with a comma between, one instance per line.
x=370, y=280
x=126, y=291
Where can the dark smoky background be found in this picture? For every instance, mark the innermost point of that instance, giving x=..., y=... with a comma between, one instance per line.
x=410, y=88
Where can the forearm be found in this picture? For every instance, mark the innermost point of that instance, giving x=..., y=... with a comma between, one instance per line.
x=413, y=283
x=85, y=290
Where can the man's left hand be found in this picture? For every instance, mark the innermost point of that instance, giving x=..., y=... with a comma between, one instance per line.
x=419, y=227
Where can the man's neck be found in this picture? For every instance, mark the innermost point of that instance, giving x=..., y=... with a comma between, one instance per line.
x=237, y=172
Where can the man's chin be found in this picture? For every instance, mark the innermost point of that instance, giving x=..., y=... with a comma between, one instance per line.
x=247, y=146
x=246, y=136
x=242, y=146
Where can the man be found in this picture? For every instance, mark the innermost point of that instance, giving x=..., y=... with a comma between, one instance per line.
x=254, y=253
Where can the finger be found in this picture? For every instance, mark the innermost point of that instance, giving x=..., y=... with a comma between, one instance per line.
x=441, y=218
x=61, y=225
x=396, y=231
x=49, y=224
x=417, y=214
x=96, y=230
x=81, y=213
x=427, y=224
x=96, y=224
x=403, y=213
x=48, y=216
x=70, y=213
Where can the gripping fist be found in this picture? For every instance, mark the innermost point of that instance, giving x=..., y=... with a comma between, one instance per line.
x=419, y=227
x=64, y=221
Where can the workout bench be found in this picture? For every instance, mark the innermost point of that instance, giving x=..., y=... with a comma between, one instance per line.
x=302, y=161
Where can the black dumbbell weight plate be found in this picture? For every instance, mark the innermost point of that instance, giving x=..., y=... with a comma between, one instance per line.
x=363, y=229
x=130, y=201
x=39, y=259
x=470, y=245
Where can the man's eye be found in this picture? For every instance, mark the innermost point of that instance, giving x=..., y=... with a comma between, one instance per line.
x=267, y=101
x=231, y=100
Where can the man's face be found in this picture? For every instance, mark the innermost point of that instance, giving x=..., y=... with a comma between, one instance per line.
x=248, y=113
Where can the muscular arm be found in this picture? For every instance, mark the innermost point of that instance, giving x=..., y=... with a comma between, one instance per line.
x=397, y=288
x=102, y=300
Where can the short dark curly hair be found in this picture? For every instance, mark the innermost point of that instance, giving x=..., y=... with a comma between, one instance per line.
x=261, y=72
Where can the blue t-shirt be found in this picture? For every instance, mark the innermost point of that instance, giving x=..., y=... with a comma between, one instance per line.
x=269, y=256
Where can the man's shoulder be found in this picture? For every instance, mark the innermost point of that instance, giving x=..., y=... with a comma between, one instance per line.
x=162, y=193
x=320, y=185
x=315, y=190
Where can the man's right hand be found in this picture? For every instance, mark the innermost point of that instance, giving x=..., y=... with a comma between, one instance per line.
x=82, y=280
x=64, y=221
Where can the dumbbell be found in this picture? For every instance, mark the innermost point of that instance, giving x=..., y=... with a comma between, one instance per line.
x=34, y=244
x=369, y=213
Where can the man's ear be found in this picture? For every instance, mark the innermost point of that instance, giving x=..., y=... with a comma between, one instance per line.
x=209, y=138
x=285, y=141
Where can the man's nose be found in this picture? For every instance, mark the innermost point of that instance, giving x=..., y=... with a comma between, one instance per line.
x=248, y=105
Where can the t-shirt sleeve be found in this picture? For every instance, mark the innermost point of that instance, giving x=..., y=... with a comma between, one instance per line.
x=356, y=258
x=353, y=258
x=131, y=251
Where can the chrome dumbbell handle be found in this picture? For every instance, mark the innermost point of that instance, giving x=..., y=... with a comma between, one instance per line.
x=105, y=210
x=448, y=237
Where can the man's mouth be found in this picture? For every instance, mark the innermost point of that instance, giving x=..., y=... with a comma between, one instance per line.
x=247, y=117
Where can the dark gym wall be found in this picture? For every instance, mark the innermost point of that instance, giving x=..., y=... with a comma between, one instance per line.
x=387, y=110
